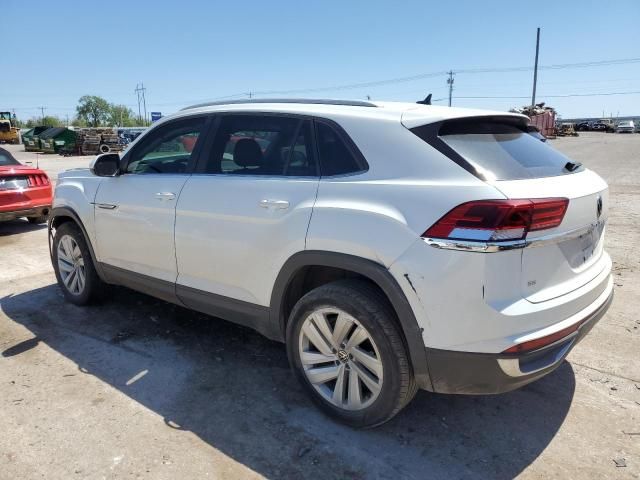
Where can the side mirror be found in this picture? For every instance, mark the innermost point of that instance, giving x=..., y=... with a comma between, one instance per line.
x=106, y=165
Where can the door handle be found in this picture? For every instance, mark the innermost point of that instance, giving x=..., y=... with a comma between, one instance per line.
x=276, y=204
x=106, y=206
x=165, y=196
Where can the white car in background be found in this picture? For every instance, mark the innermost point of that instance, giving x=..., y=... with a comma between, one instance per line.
x=391, y=246
x=626, y=127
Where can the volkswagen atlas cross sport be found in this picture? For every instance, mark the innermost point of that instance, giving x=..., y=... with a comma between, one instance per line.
x=390, y=246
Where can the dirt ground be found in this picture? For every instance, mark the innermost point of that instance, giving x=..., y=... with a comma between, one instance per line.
x=137, y=388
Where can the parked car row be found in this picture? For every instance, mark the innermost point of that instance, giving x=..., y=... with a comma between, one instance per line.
x=610, y=126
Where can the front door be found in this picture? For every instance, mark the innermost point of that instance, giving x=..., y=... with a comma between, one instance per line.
x=135, y=211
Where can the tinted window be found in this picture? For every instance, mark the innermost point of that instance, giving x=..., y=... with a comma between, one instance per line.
x=301, y=160
x=335, y=157
x=501, y=151
x=6, y=158
x=167, y=149
x=262, y=145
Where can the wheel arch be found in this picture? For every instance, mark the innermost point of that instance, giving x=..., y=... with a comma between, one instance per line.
x=288, y=281
x=61, y=215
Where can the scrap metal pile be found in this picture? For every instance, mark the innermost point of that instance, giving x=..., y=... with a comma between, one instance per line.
x=540, y=116
x=98, y=140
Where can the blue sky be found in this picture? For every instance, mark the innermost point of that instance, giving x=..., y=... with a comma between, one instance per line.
x=189, y=51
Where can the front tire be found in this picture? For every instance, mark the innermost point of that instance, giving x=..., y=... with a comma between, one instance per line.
x=73, y=266
x=346, y=349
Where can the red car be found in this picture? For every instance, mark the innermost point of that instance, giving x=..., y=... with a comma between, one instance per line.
x=24, y=191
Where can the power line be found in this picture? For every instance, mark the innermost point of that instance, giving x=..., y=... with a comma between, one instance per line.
x=422, y=76
x=405, y=79
x=557, y=96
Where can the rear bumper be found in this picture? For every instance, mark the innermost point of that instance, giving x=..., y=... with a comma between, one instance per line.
x=25, y=212
x=487, y=373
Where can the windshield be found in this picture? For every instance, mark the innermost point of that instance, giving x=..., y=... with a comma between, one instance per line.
x=7, y=159
x=500, y=151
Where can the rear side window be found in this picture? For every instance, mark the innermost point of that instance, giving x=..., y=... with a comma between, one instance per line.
x=336, y=158
x=498, y=151
x=262, y=145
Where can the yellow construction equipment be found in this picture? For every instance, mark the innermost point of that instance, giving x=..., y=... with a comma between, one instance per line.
x=9, y=132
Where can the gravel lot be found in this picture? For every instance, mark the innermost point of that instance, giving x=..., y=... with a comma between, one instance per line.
x=137, y=388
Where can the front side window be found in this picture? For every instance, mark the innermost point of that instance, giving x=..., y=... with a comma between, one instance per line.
x=168, y=149
x=262, y=145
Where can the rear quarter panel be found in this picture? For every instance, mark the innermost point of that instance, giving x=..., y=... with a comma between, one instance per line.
x=380, y=213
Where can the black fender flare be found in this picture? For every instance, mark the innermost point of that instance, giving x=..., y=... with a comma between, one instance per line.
x=69, y=212
x=375, y=272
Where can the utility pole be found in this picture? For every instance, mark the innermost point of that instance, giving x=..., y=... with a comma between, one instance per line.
x=450, y=83
x=42, y=109
x=137, y=90
x=140, y=91
x=144, y=103
x=535, y=70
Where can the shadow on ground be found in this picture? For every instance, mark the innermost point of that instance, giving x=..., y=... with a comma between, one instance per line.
x=233, y=389
x=20, y=225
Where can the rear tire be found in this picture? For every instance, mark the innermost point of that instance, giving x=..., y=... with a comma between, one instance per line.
x=74, y=268
x=346, y=349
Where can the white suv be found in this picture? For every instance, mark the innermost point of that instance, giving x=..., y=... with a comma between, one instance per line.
x=391, y=246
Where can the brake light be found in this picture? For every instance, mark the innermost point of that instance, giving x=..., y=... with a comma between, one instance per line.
x=37, y=180
x=499, y=220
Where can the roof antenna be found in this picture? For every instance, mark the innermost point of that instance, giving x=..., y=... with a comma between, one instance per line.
x=426, y=101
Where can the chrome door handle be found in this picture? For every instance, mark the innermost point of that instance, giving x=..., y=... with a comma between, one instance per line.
x=276, y=204
x=165, y=195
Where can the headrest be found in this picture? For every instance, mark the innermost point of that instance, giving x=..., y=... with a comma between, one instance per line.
x=247, y=153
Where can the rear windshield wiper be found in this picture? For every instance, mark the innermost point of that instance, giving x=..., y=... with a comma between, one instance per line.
x=571, y=166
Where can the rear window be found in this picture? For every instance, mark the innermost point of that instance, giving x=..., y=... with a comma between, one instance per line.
x=499, y=151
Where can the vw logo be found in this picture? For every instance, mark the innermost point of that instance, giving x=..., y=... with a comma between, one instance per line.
x=343, y=356
x=599, y=206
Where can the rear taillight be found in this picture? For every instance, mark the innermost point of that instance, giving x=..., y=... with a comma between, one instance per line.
x=499, y=220
x=38, y=180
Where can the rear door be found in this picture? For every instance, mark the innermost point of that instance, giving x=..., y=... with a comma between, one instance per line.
x=563, y=258
x=135, y=211
x=246, y=210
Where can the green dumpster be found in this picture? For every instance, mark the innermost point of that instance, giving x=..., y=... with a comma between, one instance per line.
x=31, y=138
x=56, y=139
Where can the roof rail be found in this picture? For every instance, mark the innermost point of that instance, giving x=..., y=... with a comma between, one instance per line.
x=316, y=101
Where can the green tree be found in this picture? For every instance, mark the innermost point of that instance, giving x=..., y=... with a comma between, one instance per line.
x=122, y=116
x=52, y=121
x=79, y=122
x=94, y=110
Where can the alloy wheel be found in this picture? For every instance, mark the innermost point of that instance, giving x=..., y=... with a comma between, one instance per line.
x=71, y=265
x=340, y=359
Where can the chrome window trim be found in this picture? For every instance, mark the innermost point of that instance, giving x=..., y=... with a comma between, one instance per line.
x=492, y=247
